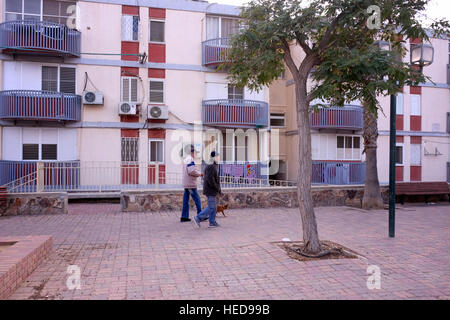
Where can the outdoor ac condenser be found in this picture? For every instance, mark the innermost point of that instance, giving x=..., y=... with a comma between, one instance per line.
x=127, y=108
x=158, y=112
x=91, y=97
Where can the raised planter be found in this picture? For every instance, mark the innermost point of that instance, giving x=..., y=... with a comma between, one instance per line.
x=20, y=256
x=270, y=197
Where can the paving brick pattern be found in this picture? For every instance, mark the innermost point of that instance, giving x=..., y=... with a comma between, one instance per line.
x=154, y=256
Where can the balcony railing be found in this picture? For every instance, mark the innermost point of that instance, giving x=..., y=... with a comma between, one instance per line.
x=39, y=105
x=215, y=51
x=345, y=118
x=41, y=37
x=235, y=113
x=338, y=172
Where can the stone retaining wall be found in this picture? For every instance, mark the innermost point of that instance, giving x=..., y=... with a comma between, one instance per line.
x=35, y=203
x=168, y=200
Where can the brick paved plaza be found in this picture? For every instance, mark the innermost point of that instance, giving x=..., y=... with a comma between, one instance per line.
x=154, y=256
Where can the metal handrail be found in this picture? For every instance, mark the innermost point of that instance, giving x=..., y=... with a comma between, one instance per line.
x=235, y=112
x=347, y=117
x=40, y=36
x=215, y=51
x=39, y=105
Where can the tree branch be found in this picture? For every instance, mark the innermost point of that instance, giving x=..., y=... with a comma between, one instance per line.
x=326, y=38
x=305, y=47
x=287, y=57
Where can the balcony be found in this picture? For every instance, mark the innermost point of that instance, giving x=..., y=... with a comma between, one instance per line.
x=341, y=118
x=235, y=113
x=215, y=51
x=39, y=105
x=39, y=37
x=339, y=173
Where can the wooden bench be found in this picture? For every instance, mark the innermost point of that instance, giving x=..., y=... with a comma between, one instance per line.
x=421, y=189
x=3, y=197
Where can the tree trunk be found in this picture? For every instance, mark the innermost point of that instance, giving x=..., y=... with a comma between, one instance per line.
x=372, y=193
x=306, y=208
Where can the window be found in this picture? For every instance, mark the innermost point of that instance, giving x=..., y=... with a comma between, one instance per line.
x=67, y=80
x=400, y=103
x=30, y=151
x=130, y=28
x=156, y=31
x=58, y=79
x=156, y=91
x=49, y=151
x=156, y=151
x=277, y=120
x=63, y=12
x=129, y=89
x=218, y=27
x=415, y=104
x=416, y=153
x=348, y=148
x=235, y=93
x=399, y=154
x=50, y=79
x=23, y=10
x=130, y=149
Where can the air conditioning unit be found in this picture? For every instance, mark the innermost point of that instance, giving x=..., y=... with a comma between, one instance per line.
x=158, y=112
x=91, y=97
x=127, y=108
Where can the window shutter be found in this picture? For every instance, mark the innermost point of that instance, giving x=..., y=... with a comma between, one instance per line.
x=50, y=79
x=125, y=89
x=415, y=105
x=49, y=152
x=157, y=31
x=67, y=80
x=130, y=28
x=212, y=28
x=400, y=103
x=30, y=152
x=416, y=151
x=157, y=91
x=134, y=89
x=126, y=31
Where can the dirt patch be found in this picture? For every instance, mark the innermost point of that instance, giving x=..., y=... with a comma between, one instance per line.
x=330, y=250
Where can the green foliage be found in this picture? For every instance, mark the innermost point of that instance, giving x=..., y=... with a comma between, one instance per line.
x=334, y=36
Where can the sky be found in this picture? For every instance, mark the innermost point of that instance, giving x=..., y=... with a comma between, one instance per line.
x=437, y=9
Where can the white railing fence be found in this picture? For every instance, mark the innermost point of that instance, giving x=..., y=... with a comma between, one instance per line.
x=80, y=176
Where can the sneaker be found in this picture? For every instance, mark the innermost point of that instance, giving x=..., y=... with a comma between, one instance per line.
x=196, y=222
x=185, y=220
x=214, y=225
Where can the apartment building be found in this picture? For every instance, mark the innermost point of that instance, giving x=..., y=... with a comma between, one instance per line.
x=106, y=94
x=423, y=130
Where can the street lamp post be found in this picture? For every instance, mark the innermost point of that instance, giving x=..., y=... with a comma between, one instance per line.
x=421, y=55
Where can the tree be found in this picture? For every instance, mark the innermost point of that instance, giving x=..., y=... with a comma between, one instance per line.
x=365, y=73
x=273, y=30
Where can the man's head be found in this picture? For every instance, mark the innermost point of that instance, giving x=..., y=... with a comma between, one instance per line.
x=215, y=156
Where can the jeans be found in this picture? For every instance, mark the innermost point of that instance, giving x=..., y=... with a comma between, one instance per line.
x=210, y=211
x=195, y=196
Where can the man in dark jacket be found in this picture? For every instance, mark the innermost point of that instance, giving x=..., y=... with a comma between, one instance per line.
x=211, y=187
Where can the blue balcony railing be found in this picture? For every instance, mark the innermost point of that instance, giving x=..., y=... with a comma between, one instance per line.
x=339, y=173
x=57, y=175
x=345, y=118
x=43, y=37
x=215, y=51
x=39, y=105
x=235, y=113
